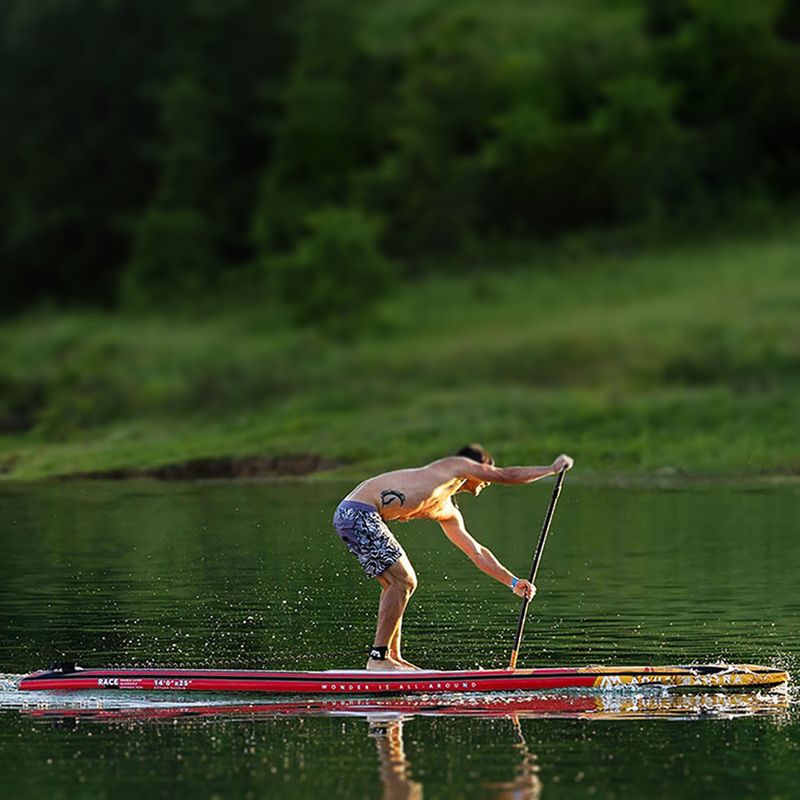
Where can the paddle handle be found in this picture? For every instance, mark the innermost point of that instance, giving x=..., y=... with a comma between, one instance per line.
x=537, y=557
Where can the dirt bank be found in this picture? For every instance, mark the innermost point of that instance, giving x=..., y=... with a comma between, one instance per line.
x=219, y=468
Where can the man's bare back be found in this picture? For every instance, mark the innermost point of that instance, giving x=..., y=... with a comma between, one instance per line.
x=422, y=493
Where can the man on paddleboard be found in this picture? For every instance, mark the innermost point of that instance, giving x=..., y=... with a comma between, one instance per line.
x=422, y=493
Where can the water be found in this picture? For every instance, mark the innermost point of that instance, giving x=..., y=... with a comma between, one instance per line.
x=251, y=575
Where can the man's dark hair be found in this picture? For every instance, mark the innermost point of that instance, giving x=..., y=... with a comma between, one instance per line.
x=476, y=452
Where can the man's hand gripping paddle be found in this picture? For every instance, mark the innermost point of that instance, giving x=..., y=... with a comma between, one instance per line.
x=537, y=557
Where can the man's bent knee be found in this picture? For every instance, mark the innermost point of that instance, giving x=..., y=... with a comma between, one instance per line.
x=401, y=574
x=406, y=584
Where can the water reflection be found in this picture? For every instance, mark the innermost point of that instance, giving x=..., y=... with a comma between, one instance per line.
x=614, y=705
x=395, y=769
x=526, y=784
x=393, y=723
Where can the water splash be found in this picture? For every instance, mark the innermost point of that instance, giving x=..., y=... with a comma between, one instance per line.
x=9, y=681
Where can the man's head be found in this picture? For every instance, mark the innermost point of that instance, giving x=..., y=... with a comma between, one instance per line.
x=475, y=452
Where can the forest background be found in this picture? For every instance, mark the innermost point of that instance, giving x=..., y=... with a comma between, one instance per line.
x=271, y=236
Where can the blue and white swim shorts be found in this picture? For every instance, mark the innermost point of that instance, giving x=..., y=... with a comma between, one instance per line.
x=367, y=537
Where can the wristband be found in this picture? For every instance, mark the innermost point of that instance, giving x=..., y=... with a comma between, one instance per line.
x=514, y=582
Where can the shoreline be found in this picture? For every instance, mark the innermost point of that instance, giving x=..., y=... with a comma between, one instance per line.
x=313, y=467
x=216, y=468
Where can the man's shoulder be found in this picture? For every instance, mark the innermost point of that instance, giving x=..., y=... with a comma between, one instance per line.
x=454, y=464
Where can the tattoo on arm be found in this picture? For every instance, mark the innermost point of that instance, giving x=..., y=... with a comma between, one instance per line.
x=388, y=496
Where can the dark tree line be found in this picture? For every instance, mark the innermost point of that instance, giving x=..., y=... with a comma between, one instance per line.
x=133, y=137
x=161, y=150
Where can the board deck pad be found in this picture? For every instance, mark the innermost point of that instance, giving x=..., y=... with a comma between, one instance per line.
x=717, y=676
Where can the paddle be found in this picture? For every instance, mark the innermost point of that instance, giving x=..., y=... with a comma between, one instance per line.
x=537, y=557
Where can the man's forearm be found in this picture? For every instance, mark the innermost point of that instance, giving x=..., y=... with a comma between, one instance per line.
x=523, y=474
x=485, y=561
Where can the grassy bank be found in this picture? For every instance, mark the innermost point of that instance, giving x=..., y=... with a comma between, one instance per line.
x=685, y=361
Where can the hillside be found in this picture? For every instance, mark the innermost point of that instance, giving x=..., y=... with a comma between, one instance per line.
x=687, y=361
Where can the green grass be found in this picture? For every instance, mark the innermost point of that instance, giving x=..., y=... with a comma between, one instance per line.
x=684, y=361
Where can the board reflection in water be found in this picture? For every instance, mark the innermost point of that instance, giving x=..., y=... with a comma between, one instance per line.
x=390, y=721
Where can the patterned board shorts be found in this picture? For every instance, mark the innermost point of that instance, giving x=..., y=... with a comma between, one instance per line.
x=364, y=532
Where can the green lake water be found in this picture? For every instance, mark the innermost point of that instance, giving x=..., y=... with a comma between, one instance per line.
x=251, y=575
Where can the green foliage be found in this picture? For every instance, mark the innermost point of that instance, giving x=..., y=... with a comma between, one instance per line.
x=428, y=185
x=337, y=272
x=647, y=158
x=174, y=247
x=319, y=137
x=187, y=154
x=173, y=258
x=73, y=118
x=20, y=403
x=689, y=358
x=151, y=145
x=77, y=90
x=739, y=94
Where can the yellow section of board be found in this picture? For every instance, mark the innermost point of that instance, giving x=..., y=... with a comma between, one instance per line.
x=734, y=675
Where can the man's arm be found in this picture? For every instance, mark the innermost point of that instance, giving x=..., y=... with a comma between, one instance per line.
x=466, y=467
x=482, y=557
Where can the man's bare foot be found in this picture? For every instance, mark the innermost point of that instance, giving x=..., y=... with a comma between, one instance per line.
x=388, y=665
x=407, y=663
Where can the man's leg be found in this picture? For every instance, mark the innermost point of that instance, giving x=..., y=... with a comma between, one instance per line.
x=395, y=642
x=398, y=583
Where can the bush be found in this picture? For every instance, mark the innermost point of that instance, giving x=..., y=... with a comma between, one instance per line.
x=337, y=272
x=174, y=246
x=172, y=259
x=428, y=182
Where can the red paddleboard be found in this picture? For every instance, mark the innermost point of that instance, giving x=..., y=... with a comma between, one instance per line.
x=68, y=677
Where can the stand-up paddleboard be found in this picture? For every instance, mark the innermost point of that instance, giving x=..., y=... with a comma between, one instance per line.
x=69, y=677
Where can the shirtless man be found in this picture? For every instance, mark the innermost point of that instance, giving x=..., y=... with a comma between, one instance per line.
x=422, y=493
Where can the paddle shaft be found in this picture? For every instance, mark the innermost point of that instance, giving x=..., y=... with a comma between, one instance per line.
x=537, y=557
